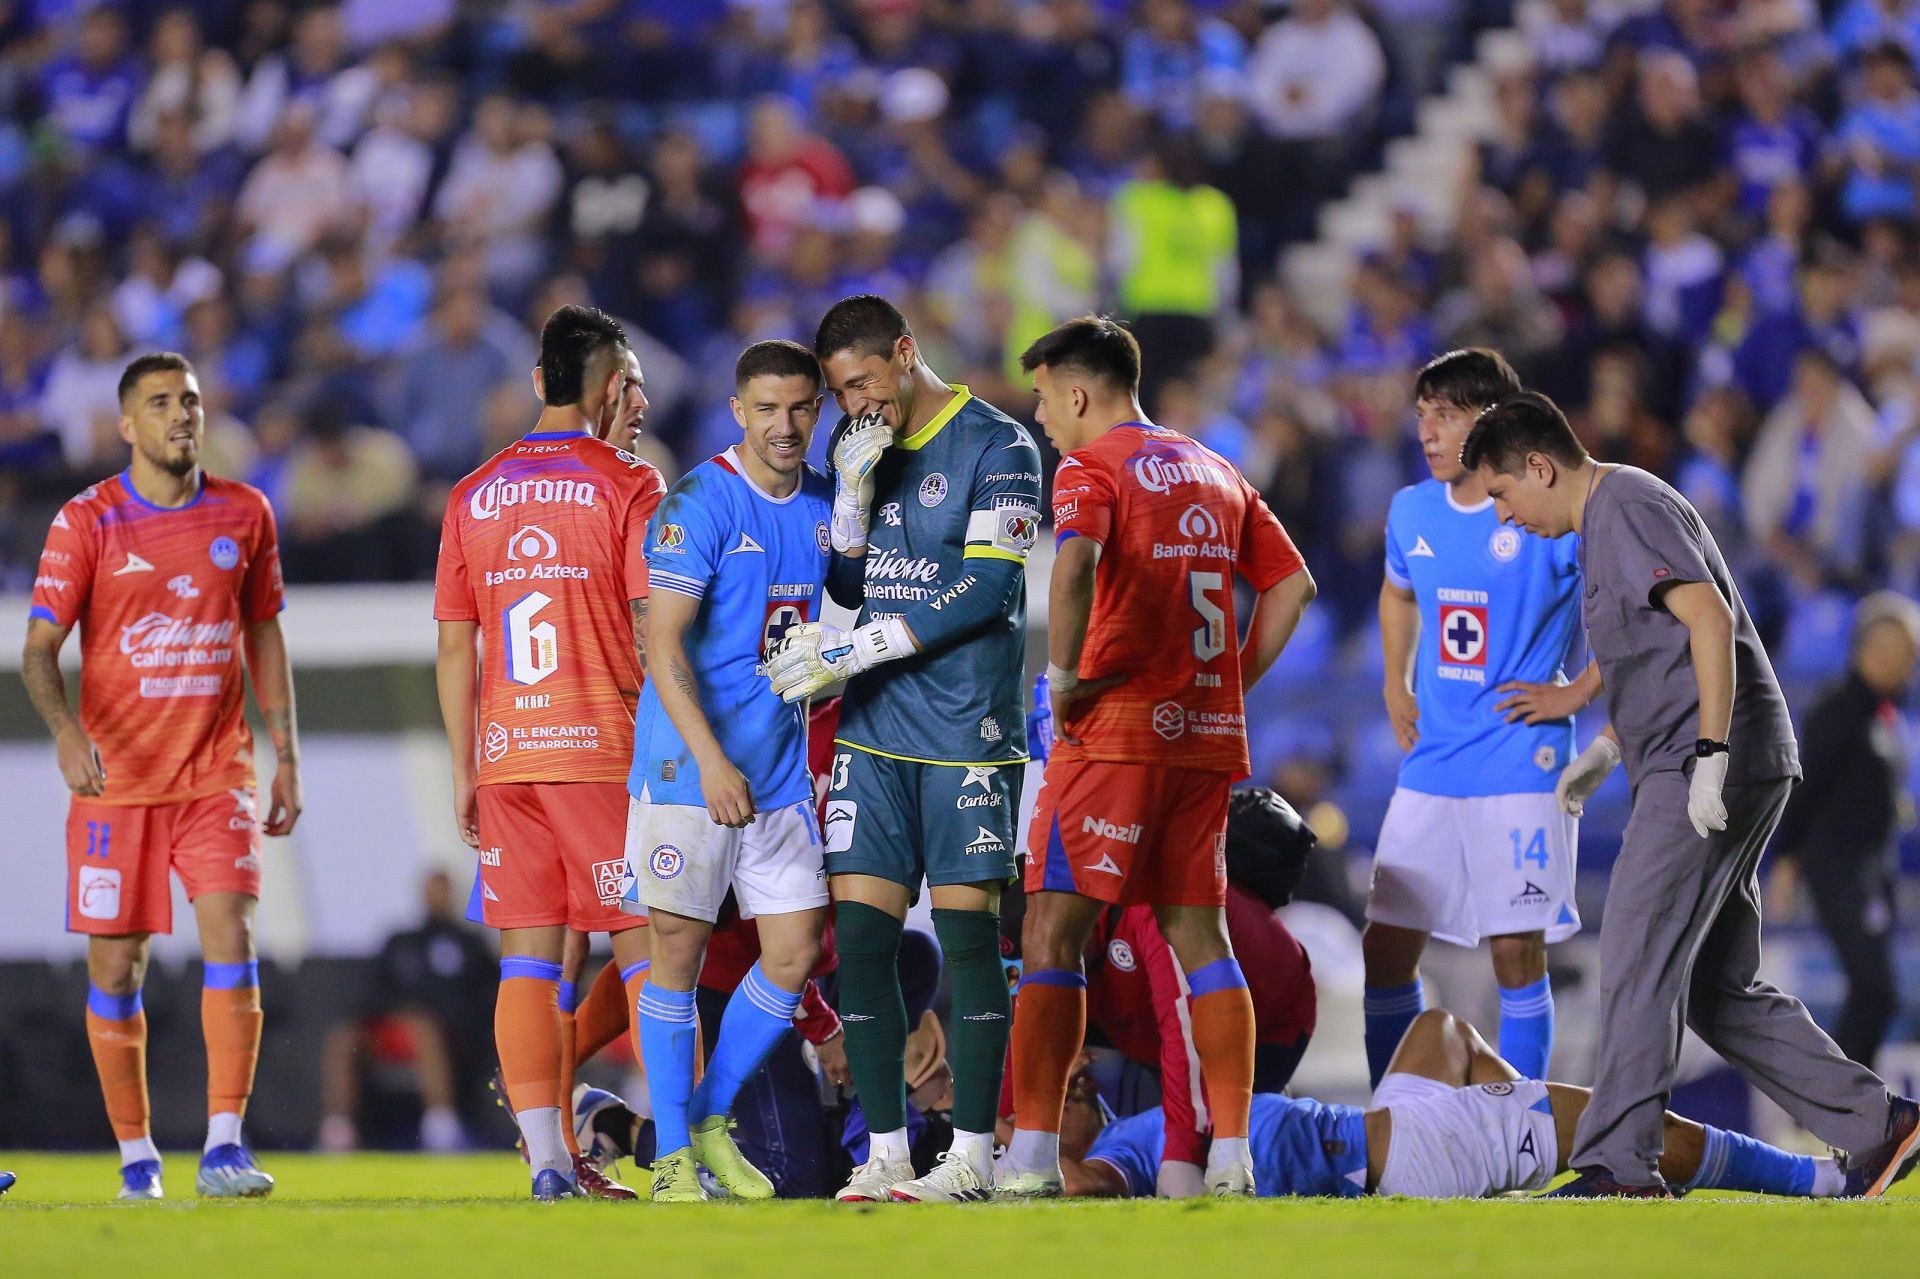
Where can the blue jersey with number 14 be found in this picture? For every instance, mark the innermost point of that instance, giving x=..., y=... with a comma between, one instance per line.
x=1496, y=604
x=758, y=565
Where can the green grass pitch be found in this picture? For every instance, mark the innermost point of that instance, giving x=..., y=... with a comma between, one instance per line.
x=363, y=1216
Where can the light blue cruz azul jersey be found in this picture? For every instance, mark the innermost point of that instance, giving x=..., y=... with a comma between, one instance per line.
x=757, y=564
x=1496, y=604
x=956, y=509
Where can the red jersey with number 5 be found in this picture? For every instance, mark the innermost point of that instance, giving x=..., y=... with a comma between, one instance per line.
x=543, y=546
x=163, y=597
x=1175, y=522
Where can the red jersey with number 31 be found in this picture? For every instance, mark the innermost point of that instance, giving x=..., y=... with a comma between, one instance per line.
x=163, y=596
x=1175, y=522
x=544, y=546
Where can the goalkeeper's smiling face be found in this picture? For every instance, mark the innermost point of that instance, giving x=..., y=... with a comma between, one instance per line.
x=863, y=383
x=778, y=415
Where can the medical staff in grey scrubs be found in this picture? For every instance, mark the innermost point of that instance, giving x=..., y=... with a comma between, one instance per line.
x=1700, y=723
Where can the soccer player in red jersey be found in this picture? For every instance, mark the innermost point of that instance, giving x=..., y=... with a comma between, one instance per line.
x=1149, y=727
x=173, y=577
x=540, y=582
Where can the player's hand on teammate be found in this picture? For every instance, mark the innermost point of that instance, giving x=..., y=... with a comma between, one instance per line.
x=80, y=764
x=813, y=655
x=284, y=804
x=1706, y=806
x=1066, y=691
x=1179, y=1179
x=858, y=452
x=1539, y=703
x=729, y=798
x=1403, y=712
x=1580, y=779
x=466, y=809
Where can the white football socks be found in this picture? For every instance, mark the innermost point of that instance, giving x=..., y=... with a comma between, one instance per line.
x=223, y=1129
x=132, y=1152
x=977, y=1149
x=546, y=1144
x=1034, y=1151
x=890, y=1145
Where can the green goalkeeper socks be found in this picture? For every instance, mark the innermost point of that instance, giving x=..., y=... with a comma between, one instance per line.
x=982, y=1009
x=872, y=1011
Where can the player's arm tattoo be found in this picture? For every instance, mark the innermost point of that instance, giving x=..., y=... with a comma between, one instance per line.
x=279, y=723
x=683, y=678
x=639, y=608
x=46, y=687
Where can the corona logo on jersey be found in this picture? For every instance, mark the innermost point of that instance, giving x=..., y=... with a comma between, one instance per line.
x=1462, y=635
x=1160, y=473
x=499, y=493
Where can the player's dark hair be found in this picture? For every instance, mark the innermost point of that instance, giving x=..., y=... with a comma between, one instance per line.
x=775, y=357
x=1518, y=425
x=569, y=341
x=152, y=362
x=865, y=324
x=1092, y=345
x=1471, y=378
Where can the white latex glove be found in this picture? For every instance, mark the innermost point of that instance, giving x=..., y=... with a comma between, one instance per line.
x=813, y=655
x=868, y=437
x=1179, y=1180
x=1580, y=779
x=1706, y=808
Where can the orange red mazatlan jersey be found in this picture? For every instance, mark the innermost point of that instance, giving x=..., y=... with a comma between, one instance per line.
x=162, y=597
x=1175, y=522
x=543, y=546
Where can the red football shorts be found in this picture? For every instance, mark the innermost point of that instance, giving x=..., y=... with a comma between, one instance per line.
x=1127, y=833
x=118, y=856
x=554, y=853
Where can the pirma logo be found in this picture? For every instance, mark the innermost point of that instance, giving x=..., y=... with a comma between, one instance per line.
x=841, y=815
x=97, y=893
x=666, y=862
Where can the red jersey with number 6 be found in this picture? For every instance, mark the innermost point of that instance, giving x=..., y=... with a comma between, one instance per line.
x=543, y=546
x=1175, y=522
x=163, y=597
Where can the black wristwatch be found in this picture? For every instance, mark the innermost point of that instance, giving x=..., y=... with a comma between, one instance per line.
x=1706, y=746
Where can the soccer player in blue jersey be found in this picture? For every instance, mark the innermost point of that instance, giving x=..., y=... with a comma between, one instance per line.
x=1476, y=619
x=937, y=503
x=1451, y=1120
x=736, y=555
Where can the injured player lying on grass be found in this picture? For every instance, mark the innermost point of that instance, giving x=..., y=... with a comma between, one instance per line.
x=1449, y=1120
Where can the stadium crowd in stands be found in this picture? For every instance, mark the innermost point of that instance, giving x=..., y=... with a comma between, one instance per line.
x=1694, y=226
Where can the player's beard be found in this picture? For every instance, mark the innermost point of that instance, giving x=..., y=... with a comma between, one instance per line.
x=177, y=460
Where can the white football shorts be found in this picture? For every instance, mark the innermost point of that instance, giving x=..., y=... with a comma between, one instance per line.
x=1464, y=869
x=682, y=861
x=1466, y=1143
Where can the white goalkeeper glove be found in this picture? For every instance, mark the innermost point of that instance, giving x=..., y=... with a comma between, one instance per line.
x=1580, y=779
x=854, y=459
x=1706, y=807
x=814, y=655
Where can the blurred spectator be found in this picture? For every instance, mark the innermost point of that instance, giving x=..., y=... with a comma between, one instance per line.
x=1664, y=141
x=1173, y=55
x=503, y=183
x=1418, y=35
x=187, y=79
x=395, y=163
x=315, y=77
x=1862, y=24
x=1567, y=35
x=788, y=173
x=1826, y=317
x=343, y=493
x=297, y=193
x=466, y=350
x=89, y=93
x=1879, y=138
x=1314, y=83
x=1501, y=307
x=1684, y=271
x=1175, y=251
x=81, y=401
x=1774, y=142
x=428, y=1002
x=1718, y=430
x=1804, y=486
x=1840, y=833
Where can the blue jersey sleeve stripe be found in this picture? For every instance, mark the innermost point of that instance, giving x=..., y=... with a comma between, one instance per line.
x=1398, y=578
x=44, y=613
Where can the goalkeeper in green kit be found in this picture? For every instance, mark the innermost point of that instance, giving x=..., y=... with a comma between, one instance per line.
x=937, y=503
